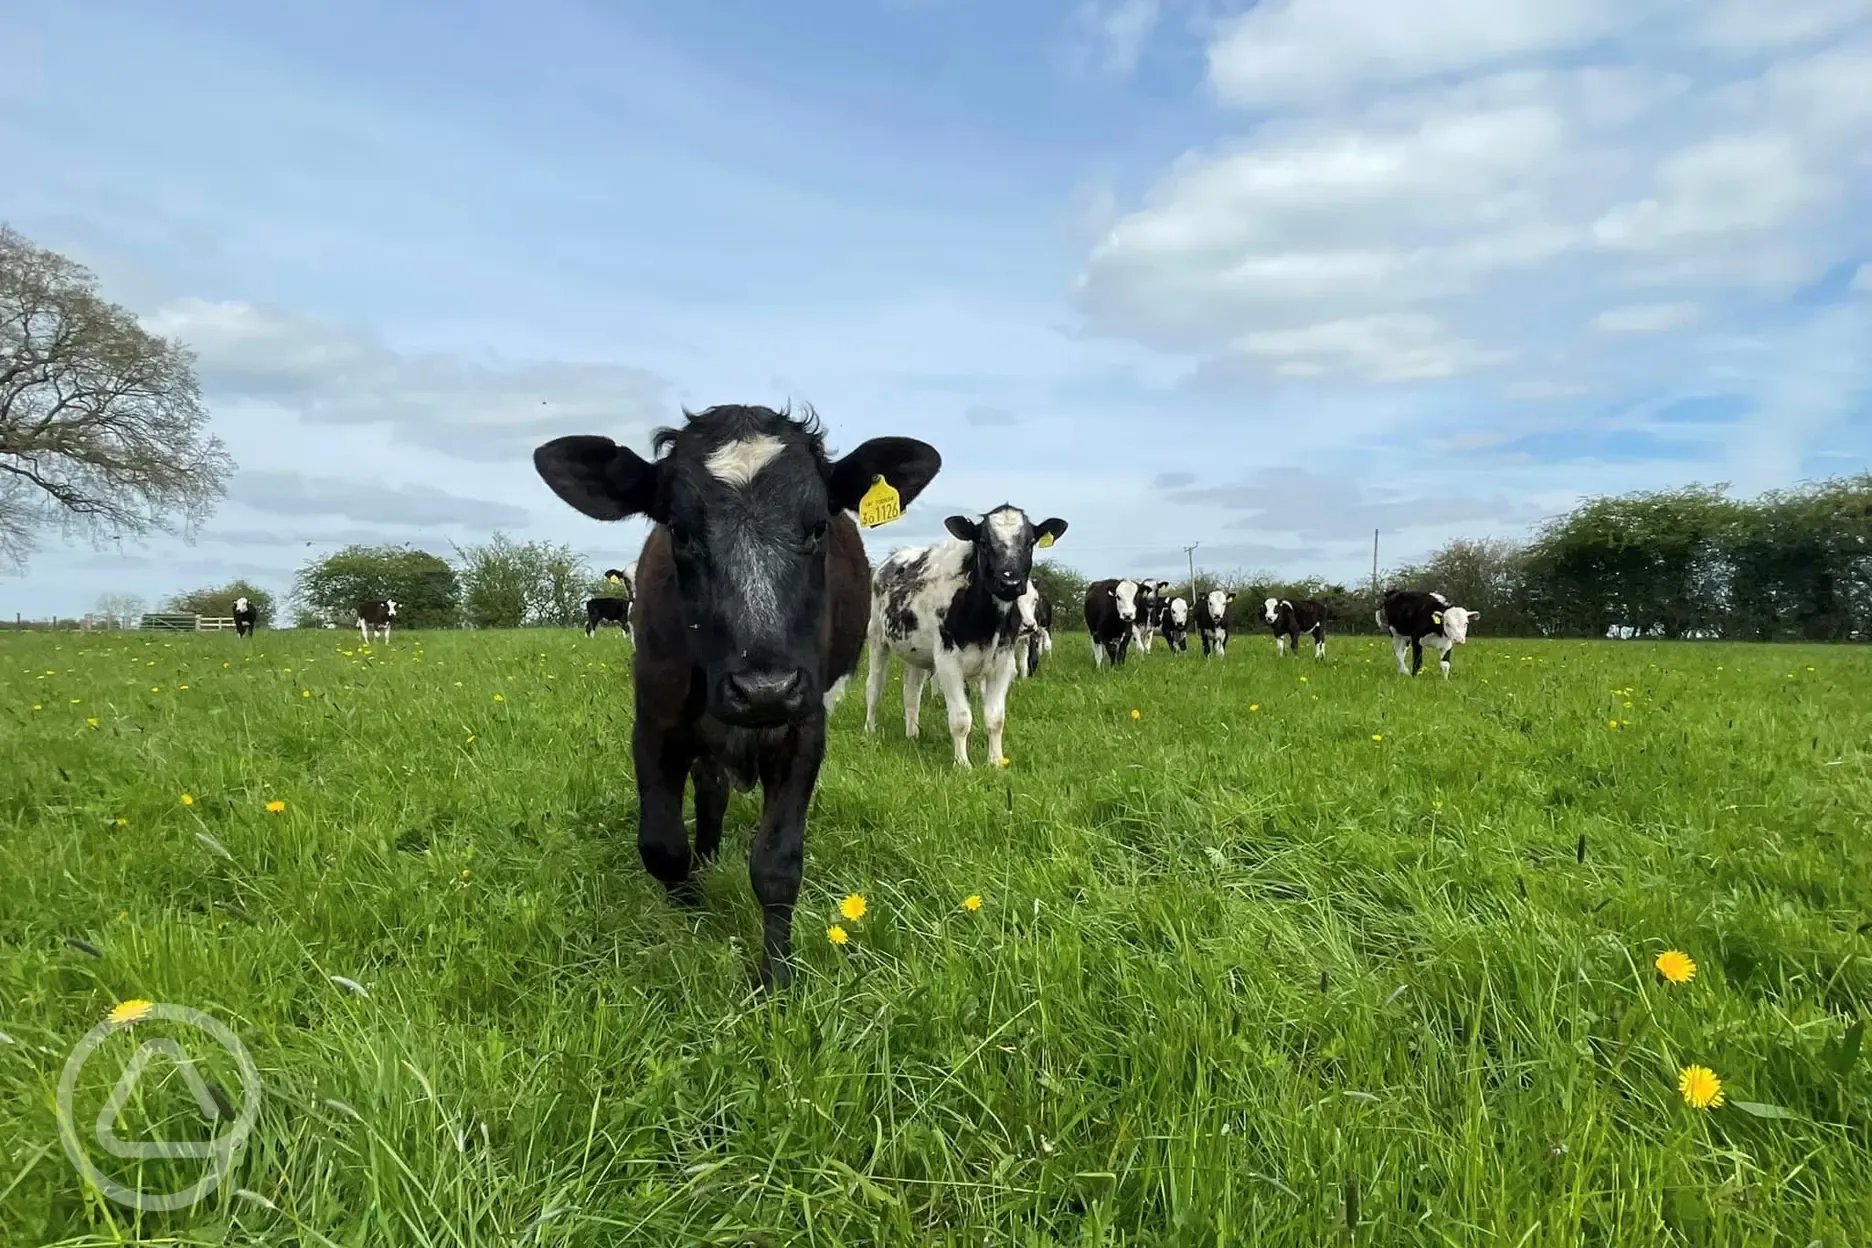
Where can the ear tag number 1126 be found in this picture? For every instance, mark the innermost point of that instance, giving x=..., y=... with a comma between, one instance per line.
x=881, y=504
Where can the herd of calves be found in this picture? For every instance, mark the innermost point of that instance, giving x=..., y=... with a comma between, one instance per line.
x=753, y=601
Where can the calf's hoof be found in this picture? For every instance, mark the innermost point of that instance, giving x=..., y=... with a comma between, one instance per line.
x=776, y=974
x=685, y=894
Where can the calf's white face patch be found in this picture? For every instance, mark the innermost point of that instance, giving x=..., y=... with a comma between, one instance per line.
x=390, y=608
x=1179, y=612
x=1270, y=609
x=1125, y=592
x=1218, y=603
x=1456, y=623
x=736, y=463
x=240, y=604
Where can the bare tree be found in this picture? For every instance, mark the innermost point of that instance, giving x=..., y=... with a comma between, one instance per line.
x=119, y=610
x=102, y=428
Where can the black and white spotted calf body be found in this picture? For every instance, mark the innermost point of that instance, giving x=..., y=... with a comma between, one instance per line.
x=1290, y=618
x=1416, y=619
x=1111, y=616
x=1036, y=627
x=954, y=611
x=244, y=617
x=607, y=610
x=1212, y=621
x=1176, y=625
x=1150, y=612
x=752, y=595
x=376, y=617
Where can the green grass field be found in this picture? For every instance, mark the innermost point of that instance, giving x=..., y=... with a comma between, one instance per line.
x=1294, y=949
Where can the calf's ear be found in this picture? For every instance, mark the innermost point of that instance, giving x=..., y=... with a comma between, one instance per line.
x=598, y=477
x=962, y=528
x=1049, y=531
x=1474, y=616
x=906, y=465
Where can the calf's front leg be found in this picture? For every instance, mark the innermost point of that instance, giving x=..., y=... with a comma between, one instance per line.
x=954, y=688
x=777, y=858
x=662, y=762
x=994, y=705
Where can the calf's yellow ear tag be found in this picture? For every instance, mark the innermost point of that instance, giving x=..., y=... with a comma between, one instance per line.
x=881, y=504
x=1436, y=617
x=1046, y=540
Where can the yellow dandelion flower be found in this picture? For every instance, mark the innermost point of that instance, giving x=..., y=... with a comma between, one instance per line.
x=972, y=902
x=123, y=823
x=1676, y=966
x=91, y=722
x=134, y=1010
x=853, y=907
x=465, y=873
x=1136, y=714
x=1303, y=680
x=181, y=686
x=275, y=806
x=499, y=698
x=76, y=701
x=155, y=688
x=1377, y=736
x=837, y=935
x=1700, y=1087
x=38, y=707
x=305, y=693
x=188, y=799
x=1006, y=761
x=1254, y=708
x=1612, y=724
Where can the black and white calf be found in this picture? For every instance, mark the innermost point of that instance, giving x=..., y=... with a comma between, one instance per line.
x=750, y=616
x=1176, y=625
x=954, y=610
x=244, y=617
x=1290, y=619
x=1212, y=621
x=606, y=610
x=376, y=615
x=1416, y=620
x=1111, y=616
x=1150, y=612
x=1036, y=611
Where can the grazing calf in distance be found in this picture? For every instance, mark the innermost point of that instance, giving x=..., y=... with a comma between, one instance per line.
x=1416, y=620
x=1150, y=609
x=1037, y=627
x=376, y=615
x=750, y=616
x=1111, y=613
x=954, y=610
x=1176, y=624
x=605, y=610
x=1290, y=619
x=1212, y=621
x=244, y=617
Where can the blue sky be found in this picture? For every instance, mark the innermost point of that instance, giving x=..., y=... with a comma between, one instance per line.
x=1259, y=276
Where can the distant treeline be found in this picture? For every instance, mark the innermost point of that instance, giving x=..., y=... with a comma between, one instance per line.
x=1790, y=565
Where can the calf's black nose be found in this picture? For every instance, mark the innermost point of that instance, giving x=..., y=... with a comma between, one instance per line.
x=763, y=697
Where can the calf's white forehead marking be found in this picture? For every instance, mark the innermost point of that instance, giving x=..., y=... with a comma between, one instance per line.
x=1179, y=610
x=1006, y=525
x=1218, y=600
x=1269, y=608
x=1126, y=594
x=737, y=462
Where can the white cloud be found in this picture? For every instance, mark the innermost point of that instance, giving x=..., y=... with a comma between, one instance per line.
x=1286, y=51
x=1862, y=280
x=1125, y=28
x=1397, y=347
x=1437, y=189
x=471, y=409
x=1753, y=25
x=1646, y=318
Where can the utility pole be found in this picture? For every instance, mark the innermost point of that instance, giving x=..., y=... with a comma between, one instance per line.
x=1190, y=551
x=1374, y=563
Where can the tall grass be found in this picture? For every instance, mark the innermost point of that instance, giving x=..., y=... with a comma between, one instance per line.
x=1372, y=962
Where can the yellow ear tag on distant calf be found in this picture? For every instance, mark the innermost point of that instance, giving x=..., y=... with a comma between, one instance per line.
x=1436, y=618
x=881, y=504
x=1046, y=540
